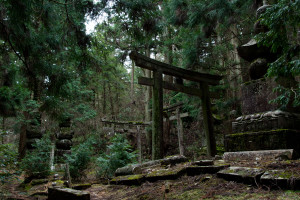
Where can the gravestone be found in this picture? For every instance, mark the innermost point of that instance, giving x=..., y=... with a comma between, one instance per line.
x=263, y=126
x=64, y=138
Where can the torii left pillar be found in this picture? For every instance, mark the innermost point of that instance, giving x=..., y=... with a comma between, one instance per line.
x=157, y=115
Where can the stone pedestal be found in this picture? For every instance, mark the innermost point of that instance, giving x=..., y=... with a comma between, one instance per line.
x=265, y=131
x=264, y=140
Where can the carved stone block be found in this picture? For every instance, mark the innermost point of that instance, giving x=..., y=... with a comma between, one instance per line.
x=256, y=96
x=270, y=120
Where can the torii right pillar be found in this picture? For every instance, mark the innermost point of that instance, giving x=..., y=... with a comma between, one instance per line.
x=208, y=120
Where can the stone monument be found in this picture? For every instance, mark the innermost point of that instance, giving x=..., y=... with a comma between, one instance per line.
x=64, y=139
x=263, y=126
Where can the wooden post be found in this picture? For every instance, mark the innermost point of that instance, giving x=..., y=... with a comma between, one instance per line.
x=180, y=132
x=157, y=115
x=207, y=120
x=139, y=143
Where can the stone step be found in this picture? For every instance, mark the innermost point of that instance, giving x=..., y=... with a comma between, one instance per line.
x=274, y=179
x=165, y=174
x=136, y=179
x=169, y=174
x=197, y=170
x=281, y=179
x=203, y=162
x=241, y=174
x=55, y=193
x=281, y=154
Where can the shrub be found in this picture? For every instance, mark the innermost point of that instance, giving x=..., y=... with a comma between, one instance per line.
x=36, y=163
x=119, y=155
x=8, y=161
x=80, y=158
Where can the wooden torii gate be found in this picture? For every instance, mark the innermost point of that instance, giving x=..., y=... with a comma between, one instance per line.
x=158, y=85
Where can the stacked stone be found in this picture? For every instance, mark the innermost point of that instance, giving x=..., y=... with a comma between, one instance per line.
x=64, y=138
x=33, y=130
x=259, y=56
x=263, y=126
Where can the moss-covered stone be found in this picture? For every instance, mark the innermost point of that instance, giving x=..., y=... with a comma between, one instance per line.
x=135, y=179
x=197, y=170
x=264, y=140
x=241, y=174
x=166, y=174
x=282, y=179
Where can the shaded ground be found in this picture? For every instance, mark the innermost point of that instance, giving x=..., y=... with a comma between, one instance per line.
x=187, y=187
x=197, y=187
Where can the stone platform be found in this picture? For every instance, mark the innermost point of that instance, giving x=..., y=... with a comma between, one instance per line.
x=264, y=140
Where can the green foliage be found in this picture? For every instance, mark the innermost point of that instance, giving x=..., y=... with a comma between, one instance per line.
x=283, y=21
x=119, y=155
x=37, y=162
x=80, y=158
x=8, y=161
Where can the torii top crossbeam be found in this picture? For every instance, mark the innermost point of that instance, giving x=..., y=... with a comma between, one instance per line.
x=151, y=64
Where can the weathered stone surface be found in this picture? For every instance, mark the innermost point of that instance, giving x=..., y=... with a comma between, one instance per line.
x=165, y=174
x=81, y=186
x=252, y=51
x=270, y=120
x=197, y=170
x=39, y=181
x=282, y=179
x=67, y=193
x=264, y=140
x=136, y=179
x=173, y=160
x=64, y=135
x=256, y=95
x=34, y=133
x=61, y=152
x=241, y=174
x=64, y=144
x=137, y=168
x=258, y=68
x=203, y=162
x=30, y=142
x=257, y=155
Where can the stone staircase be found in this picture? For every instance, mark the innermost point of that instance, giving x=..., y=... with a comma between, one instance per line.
x=259, y=174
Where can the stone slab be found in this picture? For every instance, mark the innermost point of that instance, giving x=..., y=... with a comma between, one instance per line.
x=258, y=155
x=197, y=170
x=137, y=168
x=203, y=162
x=165, y=174
x=81, y=186
x=136, y=179
x=280, y=179
x=67, y=193
x=241, y=174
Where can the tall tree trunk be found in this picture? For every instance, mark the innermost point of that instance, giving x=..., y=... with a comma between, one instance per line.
x=235, y=73
x=104, y=99
x=111, y=102
x=132, y=81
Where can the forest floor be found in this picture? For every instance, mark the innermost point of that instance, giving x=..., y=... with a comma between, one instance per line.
x=203, y=186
